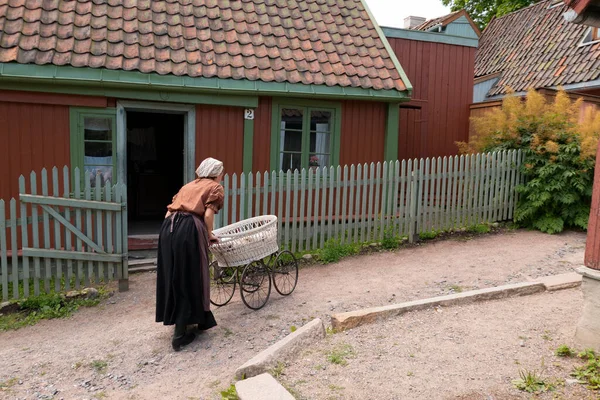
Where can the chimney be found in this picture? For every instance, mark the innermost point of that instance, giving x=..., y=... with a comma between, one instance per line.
x=411, y=22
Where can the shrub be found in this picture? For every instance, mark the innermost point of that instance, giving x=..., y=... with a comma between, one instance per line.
x=390, y=240
x=334, y=250
x=559, y=156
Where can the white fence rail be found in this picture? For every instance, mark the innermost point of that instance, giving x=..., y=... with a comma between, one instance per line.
x=365, y=202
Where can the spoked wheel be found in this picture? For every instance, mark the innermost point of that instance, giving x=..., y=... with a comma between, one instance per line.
x=255, y=285
x=285, y=273
x=222, y=284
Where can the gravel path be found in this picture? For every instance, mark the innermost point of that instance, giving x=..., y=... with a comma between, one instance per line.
x=66, y=358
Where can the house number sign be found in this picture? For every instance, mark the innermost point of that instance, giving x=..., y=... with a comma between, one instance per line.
x=249, y=113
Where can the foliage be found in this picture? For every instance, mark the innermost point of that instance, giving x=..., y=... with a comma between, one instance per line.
x=482, y=11
x=99, y=366
x=390, y=239
x=278, y=370
x=334, y=250
x=428, y=235
x=531, y=382
x=564, y=351
x=590, y=372
x=479, y=229
x=46, y=306
x=559, y=149
x=230, y=393
x=340, y=354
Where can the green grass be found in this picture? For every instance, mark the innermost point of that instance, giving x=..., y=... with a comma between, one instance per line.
x=334, y=250
x=456, y=288
x=278, y=370
x=479, y=229
x=531, y=382
x=428, y=235
x=46, y=306
x=340, y=354
x=99, y=366
x=564, y=351
x=589, y=373
x=230, y=393
x=51, y=285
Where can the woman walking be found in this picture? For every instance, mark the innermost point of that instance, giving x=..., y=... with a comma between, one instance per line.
x=182, y=284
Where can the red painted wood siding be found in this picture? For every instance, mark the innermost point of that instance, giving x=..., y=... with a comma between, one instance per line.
x=32, y=137
x=220, y=134
x=592, y=247
x=363, y=132
x=261, y=149
x=442, y=76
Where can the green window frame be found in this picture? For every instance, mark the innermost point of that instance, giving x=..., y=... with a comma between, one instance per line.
x=102, y=138
x=309, y=112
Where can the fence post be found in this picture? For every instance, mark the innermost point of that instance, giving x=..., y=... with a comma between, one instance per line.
x=414, y=187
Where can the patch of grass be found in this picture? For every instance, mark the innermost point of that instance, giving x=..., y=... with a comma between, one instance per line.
x=230, y=393
x=227, y=332
x=340, y=354
x=410, y=373
x=329, y=331
x=335, y=387
x=293, y=328
x=531, y=382
x=456, y=288
x=546, y=336
x=390, y=239
x=479, y=229
x=100, y=395
x=99, y=366
x=334, y=250
x=590, y=372
x=278, y=370
x=7, y=384
x=428, y=235
x=46, y=306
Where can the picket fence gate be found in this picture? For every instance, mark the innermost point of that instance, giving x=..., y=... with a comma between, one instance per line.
x=64, y=240
x=365, y=203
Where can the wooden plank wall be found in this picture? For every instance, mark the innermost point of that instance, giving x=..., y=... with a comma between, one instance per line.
x=261, y=149
x=442, y=76
x=363, y=132
x=220, y=134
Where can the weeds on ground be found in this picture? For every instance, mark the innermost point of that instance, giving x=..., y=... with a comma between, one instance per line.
x=590, y=372
x=456, y=288
x=565, y=351
x=293, y=328
x=278, y=370
x=46, y=306
x=391, y=240
x=340, y=354
x=99, y=366
x=329, y=331
x=230, y=393
x=479, y=229
x=531, y=382
x=334, y=250
x=7, y=384
x=428, y=235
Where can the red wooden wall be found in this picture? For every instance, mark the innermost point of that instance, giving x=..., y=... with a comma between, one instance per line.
x=32, y=137
x=261, y=149
x=363, y=132
x=442, y=76
x=220, y=134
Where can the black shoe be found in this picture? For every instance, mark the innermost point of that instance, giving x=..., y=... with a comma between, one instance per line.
x=180, y=341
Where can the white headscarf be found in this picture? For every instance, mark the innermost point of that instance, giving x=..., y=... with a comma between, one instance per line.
x=209, y=168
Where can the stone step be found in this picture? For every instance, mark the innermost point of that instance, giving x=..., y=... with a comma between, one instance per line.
x=261, y=387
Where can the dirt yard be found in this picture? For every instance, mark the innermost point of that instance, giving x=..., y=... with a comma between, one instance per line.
x=116, y=351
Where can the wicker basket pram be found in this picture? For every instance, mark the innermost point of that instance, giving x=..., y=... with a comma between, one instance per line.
x=246, y=241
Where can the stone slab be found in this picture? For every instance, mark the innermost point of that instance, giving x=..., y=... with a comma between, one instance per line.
x=587, y=334
x=283, y=350
x=353, y=319
x=562, y=281
x=261, y=387
x=589, y=273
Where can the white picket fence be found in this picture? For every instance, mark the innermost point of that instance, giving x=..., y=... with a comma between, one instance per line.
x=365, y=202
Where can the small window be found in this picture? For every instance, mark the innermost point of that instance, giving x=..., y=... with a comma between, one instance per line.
x=93, y=143
x=306, y=137
x=591, y=36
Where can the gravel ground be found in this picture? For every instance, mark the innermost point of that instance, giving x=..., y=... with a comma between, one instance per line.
x=116, y=351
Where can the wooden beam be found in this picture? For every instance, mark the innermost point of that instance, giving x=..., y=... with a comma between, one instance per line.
x=15, y=96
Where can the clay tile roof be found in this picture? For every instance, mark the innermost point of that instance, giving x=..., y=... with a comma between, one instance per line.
x=535, y=47
x=275, y=40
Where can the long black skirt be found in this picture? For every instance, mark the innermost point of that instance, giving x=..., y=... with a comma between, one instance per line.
x=179, y=283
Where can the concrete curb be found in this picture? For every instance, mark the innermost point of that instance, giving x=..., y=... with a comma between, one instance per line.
x=263, y=387
x=349, y=320
x=562, y=281
x=282, y=350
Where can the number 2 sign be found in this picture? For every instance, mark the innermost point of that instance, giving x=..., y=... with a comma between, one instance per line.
x=249, y=113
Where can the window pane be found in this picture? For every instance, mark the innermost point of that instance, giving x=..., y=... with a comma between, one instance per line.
x=290, y=161
x=98, y=149
x=291, y=141
x=320, y=121
x=291, y=118
x=97, y=128
x=105, y=173
x=319, y=142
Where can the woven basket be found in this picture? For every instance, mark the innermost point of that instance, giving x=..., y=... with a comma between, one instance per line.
x=246, y=241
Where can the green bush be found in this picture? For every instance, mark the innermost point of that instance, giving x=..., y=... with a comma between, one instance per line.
x=428, y=235
x=390, y=240
x=334, y=250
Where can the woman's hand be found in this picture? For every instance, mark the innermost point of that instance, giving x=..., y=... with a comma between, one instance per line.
x=212, y=238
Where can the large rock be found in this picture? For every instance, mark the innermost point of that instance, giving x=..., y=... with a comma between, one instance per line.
x=349, y=320
x=283, y=350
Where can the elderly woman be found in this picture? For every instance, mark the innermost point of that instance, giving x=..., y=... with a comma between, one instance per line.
x=182, y=284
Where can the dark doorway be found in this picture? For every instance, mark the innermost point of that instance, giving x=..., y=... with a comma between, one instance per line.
x=154, y=167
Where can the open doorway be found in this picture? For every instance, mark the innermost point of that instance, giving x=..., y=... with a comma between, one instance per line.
x=155, y=163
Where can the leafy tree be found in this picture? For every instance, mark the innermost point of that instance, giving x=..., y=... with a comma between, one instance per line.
x=559, y=145
x=482, y=11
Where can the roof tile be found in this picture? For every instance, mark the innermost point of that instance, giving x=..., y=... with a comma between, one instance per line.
x=330, y=42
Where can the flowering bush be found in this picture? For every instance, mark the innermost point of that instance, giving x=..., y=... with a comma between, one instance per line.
x=559, y=149
x=313, y=161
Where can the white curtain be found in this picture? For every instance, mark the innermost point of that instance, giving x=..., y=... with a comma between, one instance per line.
x=282, y=144
x=322, y=143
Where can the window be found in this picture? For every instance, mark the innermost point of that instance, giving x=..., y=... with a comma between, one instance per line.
x=93, y=143
x=304, y=137
x=591, y=36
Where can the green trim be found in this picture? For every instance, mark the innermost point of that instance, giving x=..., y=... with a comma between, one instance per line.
x=76, y=116
x=334, y=107
x=171, y=88
x=388, y=48
x=248, y=144
x=430, y=37
x=391, y=133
